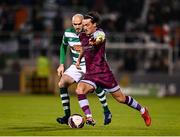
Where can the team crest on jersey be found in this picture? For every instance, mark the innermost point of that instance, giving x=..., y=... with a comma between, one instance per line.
x=77, y=48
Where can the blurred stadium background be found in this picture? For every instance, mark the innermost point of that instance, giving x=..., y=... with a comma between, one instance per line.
x=143, y=50
x=143, y=41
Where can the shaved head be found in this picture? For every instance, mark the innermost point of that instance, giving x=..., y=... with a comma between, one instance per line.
x=77, y=16
x=77, y=22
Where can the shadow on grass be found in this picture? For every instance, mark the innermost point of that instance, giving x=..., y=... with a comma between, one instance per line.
x=39, y=128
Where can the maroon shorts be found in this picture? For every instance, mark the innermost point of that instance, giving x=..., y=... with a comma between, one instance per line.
x=104, y=80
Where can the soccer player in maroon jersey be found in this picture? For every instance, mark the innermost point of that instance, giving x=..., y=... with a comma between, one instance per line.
x=72, y=74
x=98, y=73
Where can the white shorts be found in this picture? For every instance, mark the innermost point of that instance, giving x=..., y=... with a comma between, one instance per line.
x=75, y=73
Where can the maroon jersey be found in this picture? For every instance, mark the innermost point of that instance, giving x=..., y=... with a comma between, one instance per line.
x=94, y=56
x=97, y=69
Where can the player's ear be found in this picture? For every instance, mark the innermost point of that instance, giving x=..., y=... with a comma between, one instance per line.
x=94, y=25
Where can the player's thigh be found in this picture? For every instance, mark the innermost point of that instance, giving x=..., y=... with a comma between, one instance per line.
x=84, y=88
x=65, y=81
x=75, y=73
x=119, y=96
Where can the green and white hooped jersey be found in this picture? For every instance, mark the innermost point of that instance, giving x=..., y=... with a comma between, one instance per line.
x=71, y=38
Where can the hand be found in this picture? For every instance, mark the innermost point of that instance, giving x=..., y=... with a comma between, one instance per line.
x=78, y=65
x=99, y=37
x=99, y=40
x=60, y=70
x=95, y=41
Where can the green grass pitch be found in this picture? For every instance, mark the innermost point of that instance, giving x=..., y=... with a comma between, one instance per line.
x=35, y=115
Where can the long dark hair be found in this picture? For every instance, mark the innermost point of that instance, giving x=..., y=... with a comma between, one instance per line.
x=94, y=16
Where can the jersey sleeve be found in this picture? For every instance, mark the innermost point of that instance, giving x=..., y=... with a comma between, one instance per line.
x=63, y=49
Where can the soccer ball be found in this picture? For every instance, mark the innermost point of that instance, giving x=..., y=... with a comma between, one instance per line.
x=76, y=121
x=99, y=36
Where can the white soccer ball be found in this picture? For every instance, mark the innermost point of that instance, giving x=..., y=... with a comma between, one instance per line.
x=99, y=36
x=76, y=121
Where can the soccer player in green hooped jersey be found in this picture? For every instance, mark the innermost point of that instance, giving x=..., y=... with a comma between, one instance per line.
x=72, y=74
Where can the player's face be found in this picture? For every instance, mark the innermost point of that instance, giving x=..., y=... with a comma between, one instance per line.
x=88, y=26
x=77, y=24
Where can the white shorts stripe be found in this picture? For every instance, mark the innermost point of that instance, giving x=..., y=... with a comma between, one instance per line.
x=112, y=89
x=90, y=82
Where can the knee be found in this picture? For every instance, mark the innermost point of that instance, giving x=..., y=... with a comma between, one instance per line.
x=79, y=91
x=62, y=84
x=59, y=84
x=83, y=88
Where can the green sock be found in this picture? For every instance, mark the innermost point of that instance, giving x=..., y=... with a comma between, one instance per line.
x=65, y=101
x=102, y=98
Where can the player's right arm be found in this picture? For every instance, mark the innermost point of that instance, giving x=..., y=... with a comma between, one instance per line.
x=63, y=50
